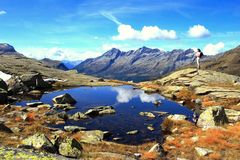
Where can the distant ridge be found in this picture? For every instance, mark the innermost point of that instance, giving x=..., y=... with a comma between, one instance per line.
x=6, y=49
x=137, y=65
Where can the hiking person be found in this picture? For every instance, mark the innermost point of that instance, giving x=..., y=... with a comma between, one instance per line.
x=198, y=55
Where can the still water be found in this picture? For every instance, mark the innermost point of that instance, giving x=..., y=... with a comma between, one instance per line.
x=128, y=102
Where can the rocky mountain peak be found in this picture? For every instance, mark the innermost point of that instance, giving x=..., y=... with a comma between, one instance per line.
x=112, y=53
x=4, y=47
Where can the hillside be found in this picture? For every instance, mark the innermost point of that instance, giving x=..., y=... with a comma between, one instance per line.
x=229, y=62
x=6, y=49
x=137, y=65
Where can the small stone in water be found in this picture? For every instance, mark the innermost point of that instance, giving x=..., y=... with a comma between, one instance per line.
x=132, y=132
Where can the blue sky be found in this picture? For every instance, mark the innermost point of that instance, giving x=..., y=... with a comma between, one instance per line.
x=79, y=29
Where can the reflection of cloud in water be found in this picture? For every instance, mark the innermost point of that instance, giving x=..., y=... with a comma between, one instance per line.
x=127, y=94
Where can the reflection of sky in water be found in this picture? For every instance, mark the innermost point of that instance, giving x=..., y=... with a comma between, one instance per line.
x=124, y=95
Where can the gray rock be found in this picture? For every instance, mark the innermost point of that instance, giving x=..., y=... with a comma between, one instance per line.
x=203, y=151
x=177, y=117
x=101, y=110
x=34, y=104
x=69, y=147
x=132, y=132
x=232, y=115
x=39, y=141
x=34, y=81
x=157, y=148
x=65, y=107
x=92, y=137
x=78, y=116
x=147, y=114
x=64, y=99
x=212, y=116
x=73, y=128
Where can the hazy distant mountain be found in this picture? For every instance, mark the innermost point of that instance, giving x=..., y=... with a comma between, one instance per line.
x=228, y=62
x=6, y=49
x=71, y=64
x=137, y=65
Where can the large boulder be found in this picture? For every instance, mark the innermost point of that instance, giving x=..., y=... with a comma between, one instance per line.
x=69, y=147
x=212, y=116
x=64, y=99
x=39, y=141
x=34, y=81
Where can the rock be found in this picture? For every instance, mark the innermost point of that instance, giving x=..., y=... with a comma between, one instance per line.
x=160, y=112
x=117, y=138
x=39, y=141
x=44, y=106
x=177, y=117
x=64, y=99
x=203, y=151
x=169, y=138
x=198, y=101
x=150, y=128
x=4, y=128
x=34, y=92
x=15, y=85
x=101, y=110
x=157, y=103
x=132, y=132
x=212, y=116
x=65, y=107
x=73, y=128
x=157, y=148
x=232, y=115
x=92, y=137
x=63, y=115
x=147, y=114
x=78, y=116
x=69, y=147
x=34, y=104
x=3, y=96
x=3, y=85
x=181, y=102
x=195, y=138
x=7, y=107
x=101, y=80
x=34, y=81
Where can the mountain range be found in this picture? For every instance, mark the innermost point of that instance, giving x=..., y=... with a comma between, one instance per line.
x=137, y=65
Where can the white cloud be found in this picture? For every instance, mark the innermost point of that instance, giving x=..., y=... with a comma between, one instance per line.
x=127, y=94
x=3, y=12
x=212, y=49
x=198, y=31
x=58, y=53
x=126, y=32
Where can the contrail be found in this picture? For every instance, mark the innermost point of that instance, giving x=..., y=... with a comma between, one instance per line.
x=110, y=17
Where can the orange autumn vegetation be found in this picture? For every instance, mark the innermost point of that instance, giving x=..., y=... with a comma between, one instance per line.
x=149, y=156
x=186, y=94
x=31, y=116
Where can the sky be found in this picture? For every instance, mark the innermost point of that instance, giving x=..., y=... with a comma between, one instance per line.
x=81, y=29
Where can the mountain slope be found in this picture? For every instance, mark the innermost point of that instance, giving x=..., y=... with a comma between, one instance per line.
x=6, y=49
x=137, y=65
x=229, y=62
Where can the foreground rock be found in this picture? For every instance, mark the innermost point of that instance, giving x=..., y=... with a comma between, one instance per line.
x=26, y=83
x=3, y=92
x=212, y=116
x=232, y=115
x=73, y=128
x=3, y=85
x=39, y=141
x=64, y=99
x=177, y=117
x=203, y=151
x=91, y=137
x=101, y=110
x=69, y=147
